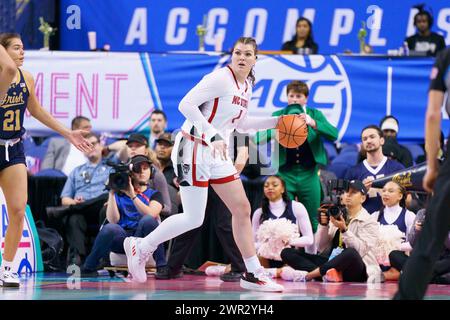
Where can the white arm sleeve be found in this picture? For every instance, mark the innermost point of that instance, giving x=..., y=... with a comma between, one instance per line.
x=209, y=88
x=256, y=224
x=253, y=124
x=304, y=225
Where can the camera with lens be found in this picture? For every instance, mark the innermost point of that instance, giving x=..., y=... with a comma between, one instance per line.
x=332, y=203
x=118, y=179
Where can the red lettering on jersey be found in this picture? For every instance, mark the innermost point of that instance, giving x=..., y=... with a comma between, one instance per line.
x=240, y=102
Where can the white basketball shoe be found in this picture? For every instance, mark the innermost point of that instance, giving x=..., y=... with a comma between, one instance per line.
x=9, y=279
x=136, y=259
x=259, y=281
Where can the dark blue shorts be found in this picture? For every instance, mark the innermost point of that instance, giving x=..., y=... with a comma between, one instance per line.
x=16, y=155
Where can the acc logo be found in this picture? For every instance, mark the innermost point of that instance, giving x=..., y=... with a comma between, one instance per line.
x=329, y=87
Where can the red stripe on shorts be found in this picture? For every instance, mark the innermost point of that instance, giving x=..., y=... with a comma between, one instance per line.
x=225, y=179
x=196, y=182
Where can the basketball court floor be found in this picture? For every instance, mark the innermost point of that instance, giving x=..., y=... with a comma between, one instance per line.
x=48, y=286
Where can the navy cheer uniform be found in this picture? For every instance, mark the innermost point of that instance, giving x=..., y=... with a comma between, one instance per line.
x=400, y=222
x=12, y=113
x=288, y=214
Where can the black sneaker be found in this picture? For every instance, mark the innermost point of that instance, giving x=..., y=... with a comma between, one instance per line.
x=193, y=272
x=166, y=273
x=231, y=276
x=57, y=212
x=86, y=273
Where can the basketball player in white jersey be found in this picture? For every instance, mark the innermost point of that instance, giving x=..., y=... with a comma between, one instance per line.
x=213, y=109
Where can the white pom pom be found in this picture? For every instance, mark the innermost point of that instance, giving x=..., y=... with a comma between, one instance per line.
x=389, y=239
x=274, y=235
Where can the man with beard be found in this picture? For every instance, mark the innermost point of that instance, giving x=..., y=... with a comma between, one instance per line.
x=375, y=166
x=158, y=124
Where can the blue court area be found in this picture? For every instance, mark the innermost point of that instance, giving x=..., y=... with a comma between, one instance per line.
x=47, y=286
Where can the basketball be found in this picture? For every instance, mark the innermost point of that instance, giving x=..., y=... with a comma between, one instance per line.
x=292, y=131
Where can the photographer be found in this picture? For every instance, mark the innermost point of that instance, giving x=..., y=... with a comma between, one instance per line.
x=138, y=144
x=131, y=211
x=351, y=232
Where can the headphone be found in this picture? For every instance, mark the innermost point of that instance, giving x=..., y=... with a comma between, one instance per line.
x=151, y=167
x=423, y=12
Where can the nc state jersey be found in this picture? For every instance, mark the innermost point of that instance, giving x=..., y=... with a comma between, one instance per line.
x=222, y=101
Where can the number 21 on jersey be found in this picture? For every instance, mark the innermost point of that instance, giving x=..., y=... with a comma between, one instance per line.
x=11, y=121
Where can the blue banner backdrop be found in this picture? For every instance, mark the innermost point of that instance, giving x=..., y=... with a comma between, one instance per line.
x=160, y=26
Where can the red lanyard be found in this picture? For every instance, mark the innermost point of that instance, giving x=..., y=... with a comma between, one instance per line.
x=143, y=196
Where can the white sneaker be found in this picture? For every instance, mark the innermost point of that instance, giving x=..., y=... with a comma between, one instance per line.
x=215, y=271
x=136, y=259
x=9, y=279
x=290, y=274
x=259, y=281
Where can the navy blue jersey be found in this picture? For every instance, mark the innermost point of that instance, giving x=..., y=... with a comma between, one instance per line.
x=12, y=109
x=288, y=213
x=400, y=222
x=363, y=170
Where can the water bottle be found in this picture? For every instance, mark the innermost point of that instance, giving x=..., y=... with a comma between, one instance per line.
x=405, y=49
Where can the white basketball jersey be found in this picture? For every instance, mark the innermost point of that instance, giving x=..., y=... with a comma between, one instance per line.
x=221, y=100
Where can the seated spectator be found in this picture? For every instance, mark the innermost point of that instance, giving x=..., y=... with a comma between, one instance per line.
x=351, y=239
x=375, y=166
x=158, y=125
x=303, y=40
x=394, y=211
x=391, y=148
x=397, y=258
x=61, y=154
x=276, y=204
x=130, y=212
x=164, y=146
x=425, y=41
x=82, y=197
